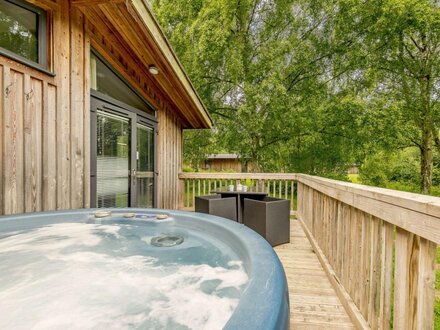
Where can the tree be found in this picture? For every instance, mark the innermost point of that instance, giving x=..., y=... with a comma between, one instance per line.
x=259, y=67
x=399, y=40
x=312, y=86
x=198, y=145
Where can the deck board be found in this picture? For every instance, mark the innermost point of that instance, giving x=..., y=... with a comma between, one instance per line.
x=313, y=301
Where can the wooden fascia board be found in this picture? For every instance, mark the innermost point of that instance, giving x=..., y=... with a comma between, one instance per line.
x=109, y=20
x=153, y=27
x=87, y=3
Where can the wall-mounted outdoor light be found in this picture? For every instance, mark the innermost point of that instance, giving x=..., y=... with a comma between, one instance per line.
x=153, y=70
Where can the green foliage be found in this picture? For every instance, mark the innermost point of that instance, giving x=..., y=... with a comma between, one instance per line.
x=381, y=168
x=437, y=313
x=312, y=86
x=187, y=169
x=249, y=183
x=198, y=144
x=398, y=41
x=260, y=68
x=398, y=170
x=436, y=176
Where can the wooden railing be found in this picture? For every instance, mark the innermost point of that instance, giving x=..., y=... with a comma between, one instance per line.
x=378, y=247
x=280, y=185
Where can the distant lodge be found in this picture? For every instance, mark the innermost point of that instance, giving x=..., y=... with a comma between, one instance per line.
x=233, y=163
x=222, y=163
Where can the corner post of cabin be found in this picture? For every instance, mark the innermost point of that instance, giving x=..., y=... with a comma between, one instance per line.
x=79, y=73
x=2, y=107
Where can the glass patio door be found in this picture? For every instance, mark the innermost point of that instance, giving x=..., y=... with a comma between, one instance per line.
x=145, y=166
x=113, y=153
x=122, y=157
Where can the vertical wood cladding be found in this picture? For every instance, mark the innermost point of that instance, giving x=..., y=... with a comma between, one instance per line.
x=45, y=121
x=43, y=128
x=169, y=152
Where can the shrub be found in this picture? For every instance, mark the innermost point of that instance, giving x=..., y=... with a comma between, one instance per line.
x=399, y=168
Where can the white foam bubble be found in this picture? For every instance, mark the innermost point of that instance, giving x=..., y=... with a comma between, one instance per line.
x=53, y=237
x=54, y=285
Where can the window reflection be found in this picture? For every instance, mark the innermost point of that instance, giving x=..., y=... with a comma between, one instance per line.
x=19, y=30
x=104, y=80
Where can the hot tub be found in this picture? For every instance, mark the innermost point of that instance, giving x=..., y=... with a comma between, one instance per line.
x=131, y=270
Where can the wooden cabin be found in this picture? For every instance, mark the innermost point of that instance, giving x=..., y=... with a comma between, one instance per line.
x=223, y=162
x=93, y=104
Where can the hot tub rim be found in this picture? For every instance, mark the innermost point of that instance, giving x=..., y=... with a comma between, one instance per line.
x=257, y=308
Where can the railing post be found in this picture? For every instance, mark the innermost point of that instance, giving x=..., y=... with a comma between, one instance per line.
x=426, y=284
x=414, y=279
x=299, y=201
x=386, y=276
x=181, y=194
x=187, y=181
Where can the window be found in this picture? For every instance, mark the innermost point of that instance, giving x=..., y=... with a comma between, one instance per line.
x=105, y=80
x=23, y=32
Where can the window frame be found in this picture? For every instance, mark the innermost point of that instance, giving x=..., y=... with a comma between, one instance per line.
x=113, y=100
x=42, y=63
x=105, y=103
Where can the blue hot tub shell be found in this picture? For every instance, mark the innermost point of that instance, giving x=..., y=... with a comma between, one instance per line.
x=264, y=303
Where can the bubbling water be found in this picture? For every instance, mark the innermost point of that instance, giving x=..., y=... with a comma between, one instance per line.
x=94, y=276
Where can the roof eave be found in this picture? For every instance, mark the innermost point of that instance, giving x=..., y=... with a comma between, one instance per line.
x=150, y=22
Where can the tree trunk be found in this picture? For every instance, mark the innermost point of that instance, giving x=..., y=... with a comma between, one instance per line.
x=426, y=120
x=436, y=136
x=244, y=167
x=426, y=161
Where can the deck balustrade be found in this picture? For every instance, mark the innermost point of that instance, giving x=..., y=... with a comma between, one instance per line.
x=377, y=246
x=279, y=185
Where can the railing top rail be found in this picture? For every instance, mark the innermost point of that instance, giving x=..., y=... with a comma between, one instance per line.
x=238, y=176
x=416, y=213
x=418, y=202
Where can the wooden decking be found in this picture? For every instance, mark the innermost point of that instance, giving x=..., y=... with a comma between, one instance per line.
x=313, y=301
x=364, y=236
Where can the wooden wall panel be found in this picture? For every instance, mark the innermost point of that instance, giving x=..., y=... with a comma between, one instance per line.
x=49, y=147
x=169, y=162
x=13, y=142
x=220, y=165
x=44, y=131
x=33, y=144
x=45, y=120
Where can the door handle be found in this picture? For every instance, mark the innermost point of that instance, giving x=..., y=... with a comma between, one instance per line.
x=133, y=177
